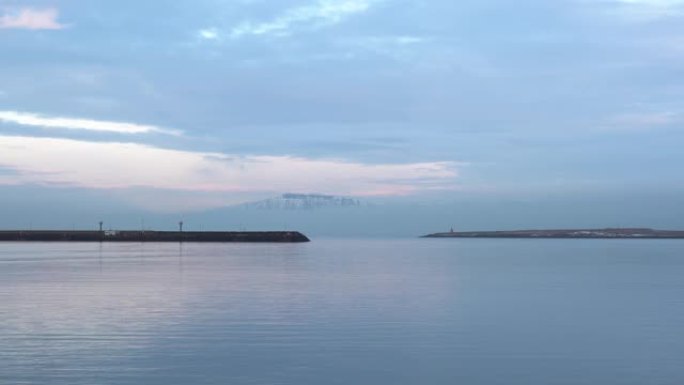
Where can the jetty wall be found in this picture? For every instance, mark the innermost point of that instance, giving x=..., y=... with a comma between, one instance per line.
x=151, y=236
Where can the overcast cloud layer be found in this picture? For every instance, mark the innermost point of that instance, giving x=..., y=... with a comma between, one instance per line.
x=426, y=101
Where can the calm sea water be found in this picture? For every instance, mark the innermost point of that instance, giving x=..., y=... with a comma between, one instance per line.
x=344, y=312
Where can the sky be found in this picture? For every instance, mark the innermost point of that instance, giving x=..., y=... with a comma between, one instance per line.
x=451, y=111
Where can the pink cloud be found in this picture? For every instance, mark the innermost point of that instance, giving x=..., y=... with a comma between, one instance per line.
x=31, y=18
x=69, y=162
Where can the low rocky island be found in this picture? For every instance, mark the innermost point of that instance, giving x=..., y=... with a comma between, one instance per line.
x=151, y=236
x=609, y=233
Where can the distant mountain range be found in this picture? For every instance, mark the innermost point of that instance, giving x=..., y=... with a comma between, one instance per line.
x=303, y=202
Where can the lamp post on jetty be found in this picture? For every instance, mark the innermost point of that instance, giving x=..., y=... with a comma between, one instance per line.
x=101, y=223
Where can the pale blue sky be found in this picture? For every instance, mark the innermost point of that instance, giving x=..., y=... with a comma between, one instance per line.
x=192, y=105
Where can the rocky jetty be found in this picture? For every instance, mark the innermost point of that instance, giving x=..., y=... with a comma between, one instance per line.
x=150, y=236
x=634, y=233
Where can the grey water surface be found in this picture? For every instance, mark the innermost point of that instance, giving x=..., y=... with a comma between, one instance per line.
x=344, y=312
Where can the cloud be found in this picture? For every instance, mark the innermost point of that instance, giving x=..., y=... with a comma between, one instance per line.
x=397, y=47
x=208, y=34
x=637, y=121
x=653, y=3
x=31, y=18
x=647, y=10
x=113, y=165
x=324, y=12
x=387, y=41
x=29, y=119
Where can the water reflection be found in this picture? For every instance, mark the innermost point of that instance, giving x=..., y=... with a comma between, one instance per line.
x=400, y=312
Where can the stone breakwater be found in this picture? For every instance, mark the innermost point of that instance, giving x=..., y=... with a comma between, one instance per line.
x=151, y=236
x=577, y=233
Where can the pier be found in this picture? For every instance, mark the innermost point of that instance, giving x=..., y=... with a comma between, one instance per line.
x=151, y=236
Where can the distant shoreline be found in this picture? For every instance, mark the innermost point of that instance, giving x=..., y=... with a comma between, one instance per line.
x=608, y=233
x=151, y=236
